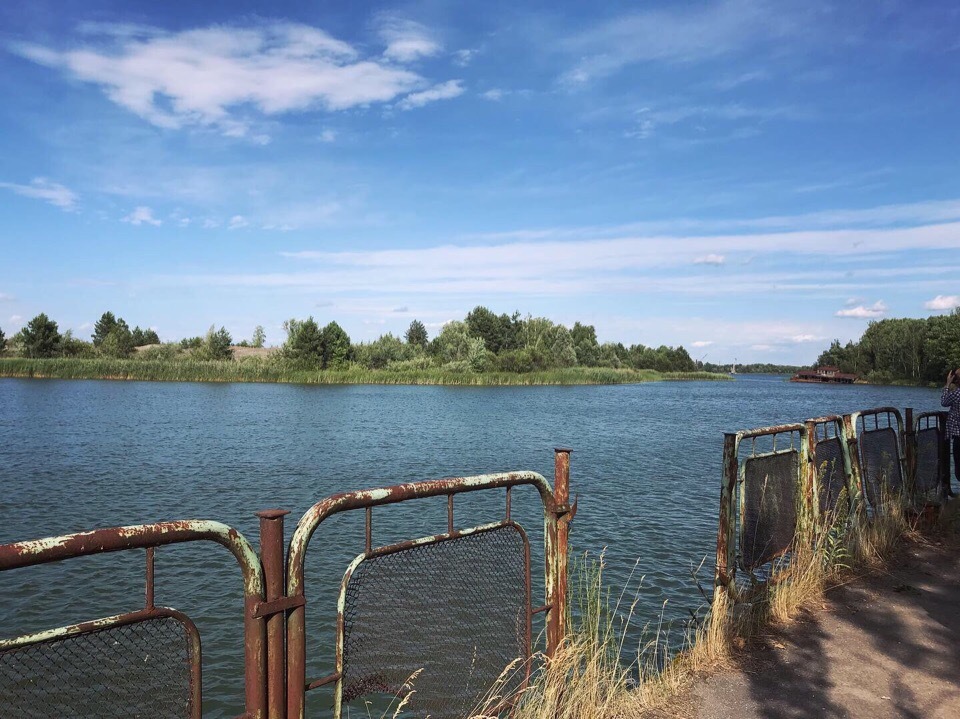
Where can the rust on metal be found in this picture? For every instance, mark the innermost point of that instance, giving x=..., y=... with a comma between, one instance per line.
x=557, y=557
x=297, y=683
x=726, y=563
x=149, y=589
x=142, y=536
x=274, y=571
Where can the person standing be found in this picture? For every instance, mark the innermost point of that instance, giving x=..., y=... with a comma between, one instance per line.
x=950, y=397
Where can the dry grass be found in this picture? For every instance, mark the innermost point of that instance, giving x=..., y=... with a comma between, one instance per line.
x=589, y=679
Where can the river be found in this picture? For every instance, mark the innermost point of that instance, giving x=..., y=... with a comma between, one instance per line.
x=75, y=455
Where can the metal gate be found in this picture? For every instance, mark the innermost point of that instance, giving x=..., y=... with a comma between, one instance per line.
x=146, y=662
x=454, y=608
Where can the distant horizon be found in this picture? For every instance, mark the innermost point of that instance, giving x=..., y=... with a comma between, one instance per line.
x=747, y=179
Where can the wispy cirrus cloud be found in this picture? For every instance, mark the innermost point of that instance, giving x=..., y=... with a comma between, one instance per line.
x=41, y=188
x=142, y=215
x=943, y=303
x=711, y=259
x=217, y=76
x=675, y=35
x=443, y=91
x=863, y=312
x=406, y=40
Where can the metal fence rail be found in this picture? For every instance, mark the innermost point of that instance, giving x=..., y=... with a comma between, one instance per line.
x=771, y=495
x=455, y=608
x=142, y=663
x=880, y=434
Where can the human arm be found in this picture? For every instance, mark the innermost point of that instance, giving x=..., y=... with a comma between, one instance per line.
x=949, y=397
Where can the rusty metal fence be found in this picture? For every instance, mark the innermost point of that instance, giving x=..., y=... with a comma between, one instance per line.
x=443, y=615
x=779, y=481
x=146, y=662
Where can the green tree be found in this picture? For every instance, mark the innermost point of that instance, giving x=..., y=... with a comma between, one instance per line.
x=118, y=342
x=383, y=351
x=417, y=334
x=336, y=346
x=145, y=337
x=150, y=337
x=259, y=337
x=304, y=341
x=455, y=344
x=499, y=332
x=3, y=341
x=586, y=345
x=103, y=327
x=41, y=337
x=216, y=344
x=562, y=350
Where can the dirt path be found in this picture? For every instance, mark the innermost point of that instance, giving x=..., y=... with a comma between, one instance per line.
x=885, y=645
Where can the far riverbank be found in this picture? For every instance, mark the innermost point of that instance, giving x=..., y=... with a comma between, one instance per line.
x=261, y=371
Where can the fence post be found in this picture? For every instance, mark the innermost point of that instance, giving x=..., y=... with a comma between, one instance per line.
x=910, y=453
x=557, y=556
x=853, y=457
x=274, y=575
x=811, y=480
x=725, y=532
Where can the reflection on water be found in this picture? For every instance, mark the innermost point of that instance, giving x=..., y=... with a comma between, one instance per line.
x=85, y=454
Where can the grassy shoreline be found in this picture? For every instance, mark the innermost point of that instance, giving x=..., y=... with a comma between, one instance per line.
x=259, y=371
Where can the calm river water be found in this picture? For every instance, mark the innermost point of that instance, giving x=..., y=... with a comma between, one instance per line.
x=75, y=455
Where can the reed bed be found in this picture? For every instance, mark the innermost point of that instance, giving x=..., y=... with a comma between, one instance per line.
x=260, y=370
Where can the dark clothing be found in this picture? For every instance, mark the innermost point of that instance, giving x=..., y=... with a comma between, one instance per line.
x=951, y=398
x=956, y=458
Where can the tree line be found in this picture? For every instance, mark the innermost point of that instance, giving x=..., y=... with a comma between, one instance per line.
x=917, y=351
x=482, y=341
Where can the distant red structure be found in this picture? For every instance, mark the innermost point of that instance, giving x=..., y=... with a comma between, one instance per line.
x=827, y=374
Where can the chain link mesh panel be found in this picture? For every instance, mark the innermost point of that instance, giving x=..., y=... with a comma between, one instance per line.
x=132, y=670
x=880, y=463
x=831, y=474
x=928, y=460
x=769, y=519
x=454, y=610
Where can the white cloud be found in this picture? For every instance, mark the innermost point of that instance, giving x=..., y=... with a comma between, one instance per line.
x=41, y=188
x=941, y=303
x=16, y=319
x=802, y=338
x=328, y=135
x=443, y=91
x=711, y=259
x=699, y=344
x=211, y=76
x=407, y=40
x=142, y=215
x=4, y=297
x=495, y=94
x=237, y=222
x=862, y=312
x=462, y=58
x=676, y=35
x=210, y=224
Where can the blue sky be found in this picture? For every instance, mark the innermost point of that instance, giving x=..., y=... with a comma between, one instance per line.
x=749, y=179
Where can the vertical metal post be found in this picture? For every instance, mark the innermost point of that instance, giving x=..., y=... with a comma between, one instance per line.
x=910, y=453
x=726, y=558
x=852, y=458
x=149, y=589
x=274, y=575
x=558, y=532
x=810, y=480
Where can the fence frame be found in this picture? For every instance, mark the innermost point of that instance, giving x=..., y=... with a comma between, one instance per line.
x=557, y=514
x=729, y=531
x=150, y=536
x=902, y=443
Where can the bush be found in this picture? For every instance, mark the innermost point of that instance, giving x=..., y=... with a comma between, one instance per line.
x=160, y=353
